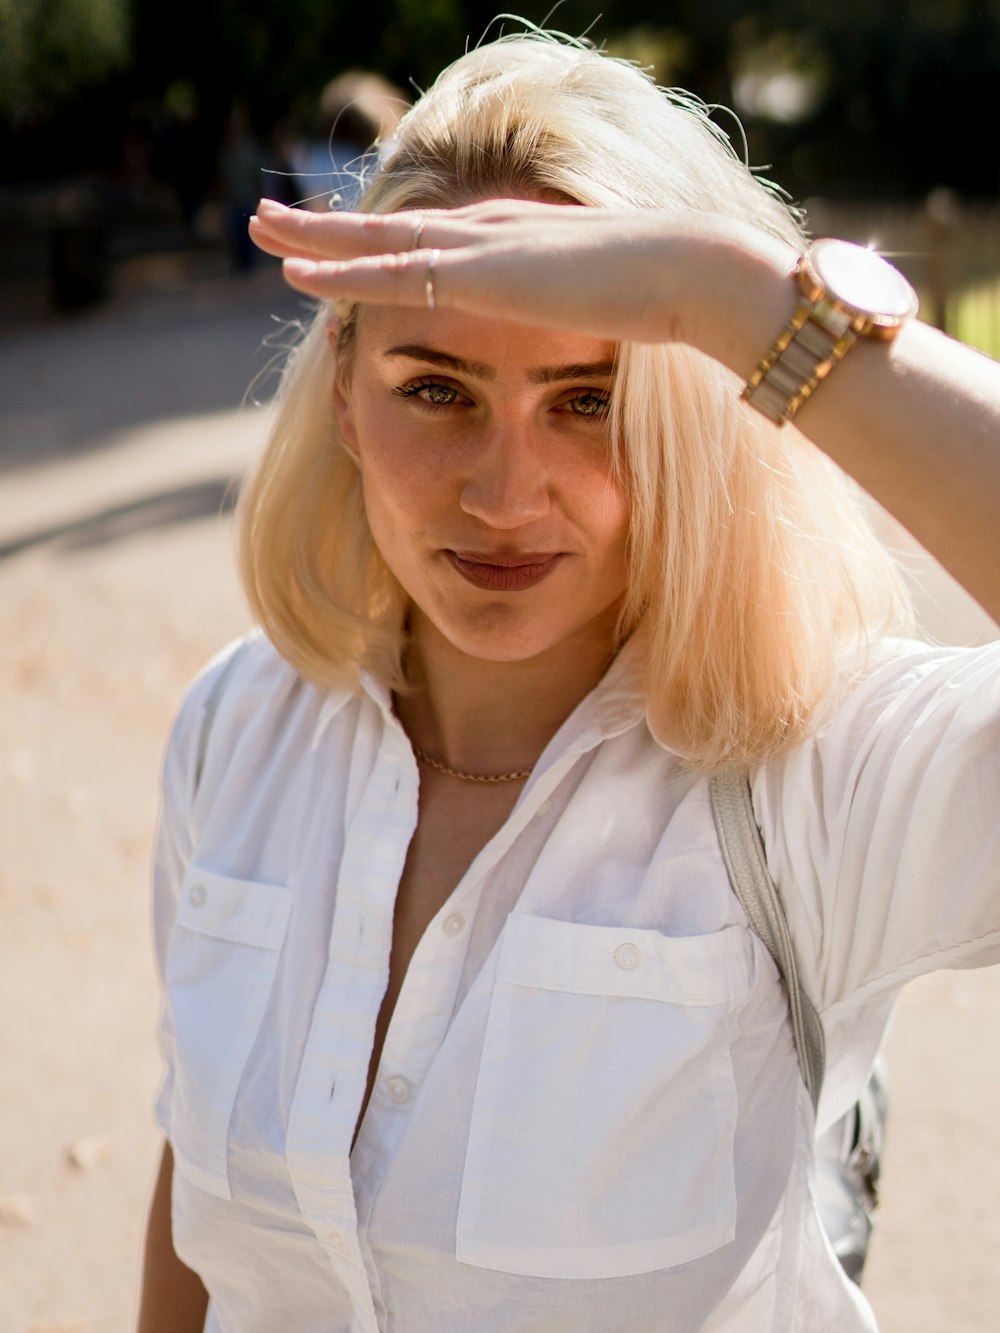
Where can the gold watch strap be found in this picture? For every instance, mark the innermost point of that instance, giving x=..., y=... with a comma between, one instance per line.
x=799, y=360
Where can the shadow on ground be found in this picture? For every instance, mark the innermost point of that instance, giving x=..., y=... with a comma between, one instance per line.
x=164, y=509
x=67, y=386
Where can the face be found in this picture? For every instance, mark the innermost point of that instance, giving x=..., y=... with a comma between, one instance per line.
x=487, y=474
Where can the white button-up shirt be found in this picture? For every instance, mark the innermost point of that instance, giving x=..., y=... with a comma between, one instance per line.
x=588, y=1113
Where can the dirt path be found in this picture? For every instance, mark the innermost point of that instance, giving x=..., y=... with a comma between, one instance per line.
x=103, y=623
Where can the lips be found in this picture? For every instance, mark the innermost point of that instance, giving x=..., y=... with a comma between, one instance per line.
x=504, y=573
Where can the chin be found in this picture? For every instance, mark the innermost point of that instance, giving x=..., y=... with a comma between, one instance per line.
x=506, y=636
x=507, y=630
x=502, y=647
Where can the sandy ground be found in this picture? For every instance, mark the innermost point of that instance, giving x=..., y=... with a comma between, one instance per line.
x=119, y=435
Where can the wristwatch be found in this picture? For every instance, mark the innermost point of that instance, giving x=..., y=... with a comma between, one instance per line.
x=846, y=292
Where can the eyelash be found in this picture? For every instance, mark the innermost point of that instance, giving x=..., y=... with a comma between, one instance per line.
x=603, y=401
x=415, y=389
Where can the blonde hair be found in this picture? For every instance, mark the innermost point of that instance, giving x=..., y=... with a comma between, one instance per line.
x=752, y=569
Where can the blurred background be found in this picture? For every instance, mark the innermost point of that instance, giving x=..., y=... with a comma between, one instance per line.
x=130, y=129
x=139, y=349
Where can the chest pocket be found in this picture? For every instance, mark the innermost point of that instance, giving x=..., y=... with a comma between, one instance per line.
x=220, y=971
x=602, y=1129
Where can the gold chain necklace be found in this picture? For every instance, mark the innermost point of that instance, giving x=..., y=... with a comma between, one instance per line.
x=516, y=776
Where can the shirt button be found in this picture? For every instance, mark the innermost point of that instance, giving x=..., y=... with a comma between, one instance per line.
x=399, y=1089
x=454, y=925
x=628, y=956
x=197, y=895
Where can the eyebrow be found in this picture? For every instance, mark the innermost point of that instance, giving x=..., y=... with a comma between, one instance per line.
x=584, y=370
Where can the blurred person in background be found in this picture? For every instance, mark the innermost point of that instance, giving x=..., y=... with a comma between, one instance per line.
x=356, y=110
x=464, y=1026
x=241, y=158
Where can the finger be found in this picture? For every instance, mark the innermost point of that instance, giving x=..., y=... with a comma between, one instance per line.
x=291, y=231
x=403, y=280
x=272, y=245
x=377, y=280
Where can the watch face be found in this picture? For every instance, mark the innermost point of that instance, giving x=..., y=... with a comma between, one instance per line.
x=863, y=280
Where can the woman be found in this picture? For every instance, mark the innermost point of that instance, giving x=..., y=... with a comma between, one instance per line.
x=464, y=1025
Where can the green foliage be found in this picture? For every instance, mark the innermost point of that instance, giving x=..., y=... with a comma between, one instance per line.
x=973, y=316
x=51, y=50
x=851, y=99
x=418, y=32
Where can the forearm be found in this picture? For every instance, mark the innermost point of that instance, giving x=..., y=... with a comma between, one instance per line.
x=172, y=1298
x=919, y=428
x=916, y=422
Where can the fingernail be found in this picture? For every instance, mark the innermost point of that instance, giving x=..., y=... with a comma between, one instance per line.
x=300, y=268
x=271, y=206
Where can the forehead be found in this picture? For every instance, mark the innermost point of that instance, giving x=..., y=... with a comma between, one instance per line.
x=491, y=346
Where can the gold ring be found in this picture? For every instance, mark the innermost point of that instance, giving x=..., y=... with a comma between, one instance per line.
x=429, y=284
x=418, y=231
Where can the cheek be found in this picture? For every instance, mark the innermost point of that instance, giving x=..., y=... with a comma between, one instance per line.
x=609, y=522
x=404, y=487
x=604, y=501
x=614, y=506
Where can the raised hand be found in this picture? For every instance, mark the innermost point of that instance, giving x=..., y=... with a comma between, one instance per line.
x=624, y=275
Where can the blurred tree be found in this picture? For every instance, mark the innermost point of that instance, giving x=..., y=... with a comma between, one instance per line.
x=904, y=94
x=851, y=98
x=51, y=50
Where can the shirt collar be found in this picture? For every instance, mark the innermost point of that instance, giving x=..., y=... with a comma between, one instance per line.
x=614, y=706
x=338, y=696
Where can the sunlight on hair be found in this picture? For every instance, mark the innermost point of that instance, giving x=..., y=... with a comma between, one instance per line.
x=735, y=525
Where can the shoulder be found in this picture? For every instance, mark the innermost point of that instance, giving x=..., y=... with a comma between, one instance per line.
x=874, y=822
x=917, y=714
x=240, y=674
x=246, y=692
x=900, y=666
x=907, y=696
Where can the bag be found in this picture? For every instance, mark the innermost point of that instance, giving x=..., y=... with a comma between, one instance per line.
x=848, y=1156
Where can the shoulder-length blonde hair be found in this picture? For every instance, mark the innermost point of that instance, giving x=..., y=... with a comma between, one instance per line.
x=752, y=568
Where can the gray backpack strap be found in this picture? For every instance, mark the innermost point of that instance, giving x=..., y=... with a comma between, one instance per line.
x=743, y=852
x=214, y=699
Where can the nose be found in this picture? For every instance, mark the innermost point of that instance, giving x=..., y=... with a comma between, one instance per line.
x=506, y=485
